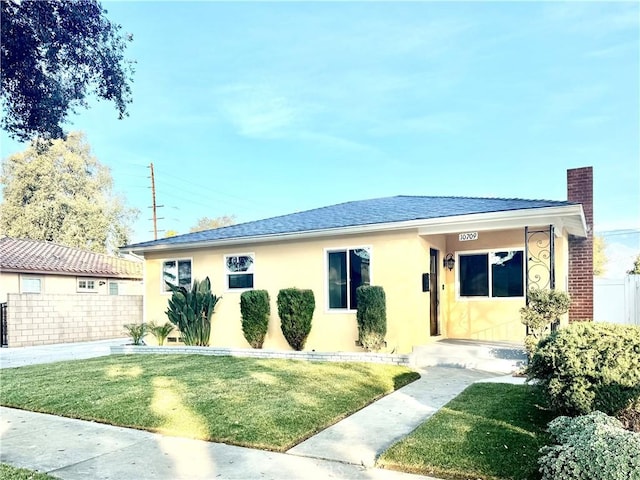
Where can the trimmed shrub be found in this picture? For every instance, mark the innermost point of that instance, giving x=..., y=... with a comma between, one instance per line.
x=544, y=307
x=160, y=332
x=295, y=308
x=191, y=311
x=255, y=310
x=371, y=316
x=136, y=331
x=589, y=366
x=589, y=447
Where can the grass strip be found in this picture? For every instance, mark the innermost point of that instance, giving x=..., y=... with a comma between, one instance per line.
x=489, y=431
x=7, y=472
x=260, y=403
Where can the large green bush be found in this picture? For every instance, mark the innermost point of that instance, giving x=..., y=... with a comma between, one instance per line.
x=371, y=317
x=295, y=308
x=589, y=366
x=191, y=309
x=593, y=446
x=255, y=310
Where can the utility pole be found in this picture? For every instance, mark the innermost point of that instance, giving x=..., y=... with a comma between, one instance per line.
x=153, y=205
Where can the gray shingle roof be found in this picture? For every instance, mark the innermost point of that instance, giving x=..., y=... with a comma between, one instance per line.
x=357, y=213
x=22, y=255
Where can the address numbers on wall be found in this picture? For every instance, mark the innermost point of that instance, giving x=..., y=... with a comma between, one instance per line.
x=466, y=237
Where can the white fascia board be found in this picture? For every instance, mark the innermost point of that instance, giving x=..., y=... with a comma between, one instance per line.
x=479, y=221
x=569, y=217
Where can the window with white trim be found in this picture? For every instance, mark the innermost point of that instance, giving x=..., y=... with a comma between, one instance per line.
x=493, y=274
x=176, y=272
x=239, y=271
x=86, y=285
x=113, y=288
x=347, y=269
x=30, y=285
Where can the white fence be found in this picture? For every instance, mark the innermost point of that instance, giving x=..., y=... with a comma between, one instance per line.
x=617, y=300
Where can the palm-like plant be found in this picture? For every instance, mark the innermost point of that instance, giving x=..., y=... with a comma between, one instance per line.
x=191, y=311
x=136, y=331
x=160, y=332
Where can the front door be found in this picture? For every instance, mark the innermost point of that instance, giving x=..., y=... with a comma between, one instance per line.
x=434, y=291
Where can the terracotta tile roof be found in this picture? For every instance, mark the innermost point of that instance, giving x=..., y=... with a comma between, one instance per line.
x=21, y=255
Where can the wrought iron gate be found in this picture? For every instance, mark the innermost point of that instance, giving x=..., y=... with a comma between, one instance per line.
x=3, y=325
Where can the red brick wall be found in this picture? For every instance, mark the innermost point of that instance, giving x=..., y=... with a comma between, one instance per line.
x=580, y=190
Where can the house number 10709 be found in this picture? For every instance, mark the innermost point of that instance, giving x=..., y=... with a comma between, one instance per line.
x=465, y=237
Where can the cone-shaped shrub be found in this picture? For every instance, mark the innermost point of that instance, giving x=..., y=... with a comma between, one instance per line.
x=295, y=308
x=255, y=310
x=191, y=310
x=371, y=316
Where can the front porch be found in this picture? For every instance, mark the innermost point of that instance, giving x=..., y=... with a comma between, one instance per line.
x=496, y=357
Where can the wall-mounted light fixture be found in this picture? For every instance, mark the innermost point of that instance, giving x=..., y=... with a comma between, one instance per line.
x=101, y=282
x=449, y=261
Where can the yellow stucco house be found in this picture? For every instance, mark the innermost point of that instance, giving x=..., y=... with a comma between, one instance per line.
x=451, y=267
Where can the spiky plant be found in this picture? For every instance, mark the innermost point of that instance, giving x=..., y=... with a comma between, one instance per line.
x=191, y=309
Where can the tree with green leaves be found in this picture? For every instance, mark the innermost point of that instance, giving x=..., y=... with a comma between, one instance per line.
x=599, y=256
x=206, y=223
x=636, y=266
x=59, y=192
x=55, y=54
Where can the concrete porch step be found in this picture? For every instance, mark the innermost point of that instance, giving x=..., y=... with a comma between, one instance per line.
x=497, y=357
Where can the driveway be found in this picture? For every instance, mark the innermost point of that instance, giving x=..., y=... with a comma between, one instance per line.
x=19, y=356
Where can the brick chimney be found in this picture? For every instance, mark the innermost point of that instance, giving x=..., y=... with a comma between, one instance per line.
x=580, y=190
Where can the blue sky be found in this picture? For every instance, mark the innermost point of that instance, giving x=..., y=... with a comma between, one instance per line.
x=261, y=109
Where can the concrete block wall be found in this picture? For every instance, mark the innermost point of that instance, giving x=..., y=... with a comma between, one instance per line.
x=48, y=318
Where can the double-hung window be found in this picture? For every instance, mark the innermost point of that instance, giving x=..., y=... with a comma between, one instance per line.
x=86, y=285
x=347, y=270
x=177, y=273
x=239, y=271
x=491, y=274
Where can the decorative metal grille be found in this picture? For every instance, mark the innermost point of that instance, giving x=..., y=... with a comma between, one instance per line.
x=539, y=250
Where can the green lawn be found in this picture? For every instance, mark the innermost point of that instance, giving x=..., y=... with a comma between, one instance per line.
x=490, y=431
x=269, y=404
x=7, y=472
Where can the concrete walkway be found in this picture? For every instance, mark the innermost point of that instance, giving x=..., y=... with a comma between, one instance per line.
x=74, y=449
x=362, y=437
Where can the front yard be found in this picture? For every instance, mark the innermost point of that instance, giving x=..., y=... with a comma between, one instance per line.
x=268, y=404
x=489, y=431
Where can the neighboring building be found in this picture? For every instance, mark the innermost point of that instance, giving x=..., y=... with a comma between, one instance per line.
x=52, y=294
x=452, y=267
x=34, y=266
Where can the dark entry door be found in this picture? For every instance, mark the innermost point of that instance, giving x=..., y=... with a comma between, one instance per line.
x=434, y=291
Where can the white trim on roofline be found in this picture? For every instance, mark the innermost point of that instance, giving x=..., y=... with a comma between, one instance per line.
x=569, y=217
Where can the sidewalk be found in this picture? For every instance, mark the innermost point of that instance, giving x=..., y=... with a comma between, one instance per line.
x=77, y=450
x=74, y=449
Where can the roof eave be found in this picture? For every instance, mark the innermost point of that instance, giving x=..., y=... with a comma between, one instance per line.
x=27, y=271
x=570, y=217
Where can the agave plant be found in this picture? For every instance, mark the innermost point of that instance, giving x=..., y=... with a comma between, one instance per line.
x=191, y=309
x=161, y=332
